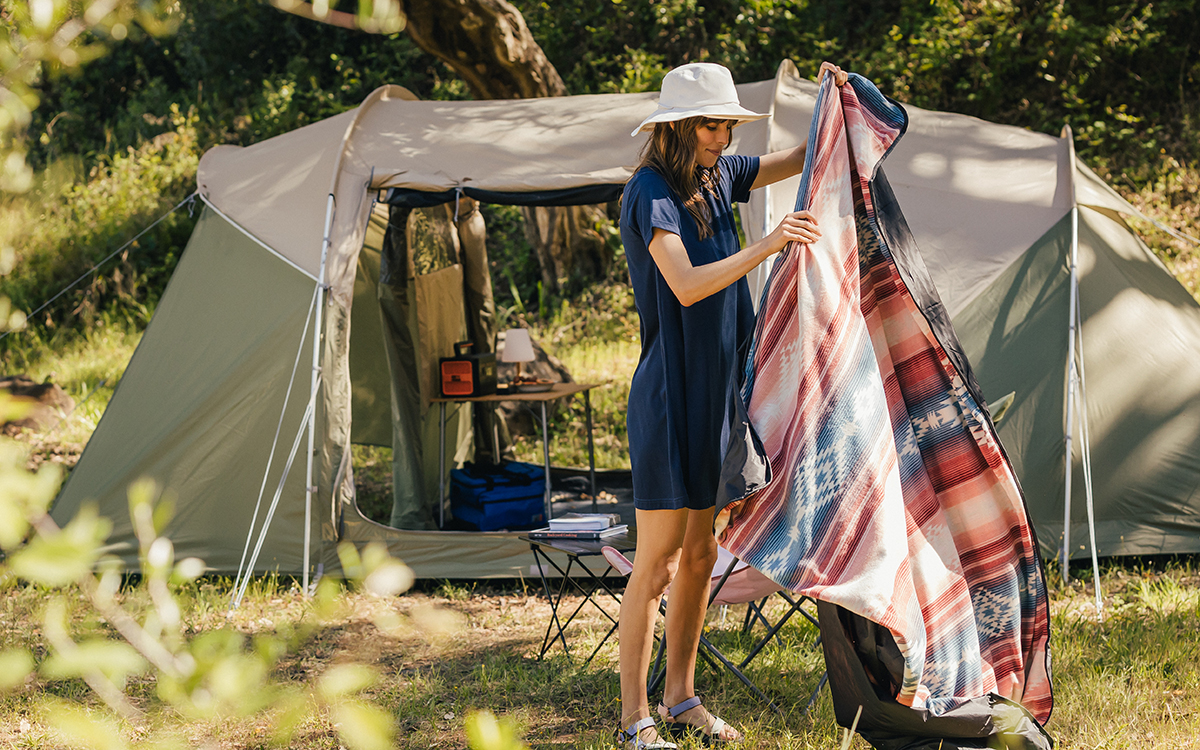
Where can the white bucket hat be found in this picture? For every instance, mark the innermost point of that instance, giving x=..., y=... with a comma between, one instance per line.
x=698, y=90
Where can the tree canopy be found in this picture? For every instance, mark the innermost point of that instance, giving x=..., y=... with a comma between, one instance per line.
x=1122, y=73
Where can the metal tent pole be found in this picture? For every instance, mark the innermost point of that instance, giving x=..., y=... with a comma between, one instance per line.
x=1072, y=323
x=1085, y=444
x=309, y=488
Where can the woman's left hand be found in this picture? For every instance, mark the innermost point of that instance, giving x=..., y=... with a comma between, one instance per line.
x=797, y=226
x=839, y=76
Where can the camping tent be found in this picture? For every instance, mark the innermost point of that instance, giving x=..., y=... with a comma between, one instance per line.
x=219, y=397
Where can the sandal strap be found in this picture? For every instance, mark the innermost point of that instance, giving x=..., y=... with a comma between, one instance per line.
x=715, y=726
x=683, y=707
x=631, y=733
x=718, y=726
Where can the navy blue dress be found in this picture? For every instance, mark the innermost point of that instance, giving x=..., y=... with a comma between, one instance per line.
x=678, y=400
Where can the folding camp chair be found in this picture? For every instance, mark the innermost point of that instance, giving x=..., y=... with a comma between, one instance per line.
x=734, y=582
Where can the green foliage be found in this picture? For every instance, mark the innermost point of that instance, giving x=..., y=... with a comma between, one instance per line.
x=47, y=36
x=485, y=732
x=216, y=676
x=595, y=334
x=514, y=265
x=247, y=70
x=63, y=228
x=1118, y=72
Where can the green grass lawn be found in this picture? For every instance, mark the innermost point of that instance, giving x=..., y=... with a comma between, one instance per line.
x=1129, y=679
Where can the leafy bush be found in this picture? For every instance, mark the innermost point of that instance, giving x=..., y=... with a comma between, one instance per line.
x=62, y=229
x=213, y=677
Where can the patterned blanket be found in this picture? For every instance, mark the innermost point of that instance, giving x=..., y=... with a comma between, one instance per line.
x=892, y=497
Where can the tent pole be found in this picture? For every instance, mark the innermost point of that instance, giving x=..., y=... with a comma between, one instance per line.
x=1072, y=322
x=1085, y=444
x=316, y=372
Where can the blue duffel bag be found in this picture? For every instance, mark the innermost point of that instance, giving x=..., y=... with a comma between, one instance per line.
x=489, y=497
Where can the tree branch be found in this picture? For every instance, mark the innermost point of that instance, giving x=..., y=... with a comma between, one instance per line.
x=487, y=43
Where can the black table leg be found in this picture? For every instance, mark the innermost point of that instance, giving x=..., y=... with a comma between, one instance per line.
x=595, y=586
x=547, y=641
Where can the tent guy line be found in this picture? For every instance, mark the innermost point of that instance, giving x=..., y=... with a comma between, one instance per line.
x=191, y=197
x=1085, y=443
x=240, y=590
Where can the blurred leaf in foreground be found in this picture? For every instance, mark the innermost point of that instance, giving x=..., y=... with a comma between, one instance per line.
x=485, y=732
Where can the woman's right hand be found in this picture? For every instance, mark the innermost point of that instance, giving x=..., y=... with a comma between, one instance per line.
x=798, y=226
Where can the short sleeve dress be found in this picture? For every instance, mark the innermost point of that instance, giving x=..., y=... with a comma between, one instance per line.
x=678, y=399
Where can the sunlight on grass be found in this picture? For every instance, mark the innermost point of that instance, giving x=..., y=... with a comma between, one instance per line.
x=88, y=367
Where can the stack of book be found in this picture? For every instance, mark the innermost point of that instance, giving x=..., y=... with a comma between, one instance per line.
x=581, y=526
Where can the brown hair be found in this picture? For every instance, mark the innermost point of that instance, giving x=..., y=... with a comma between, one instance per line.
x=671, y=151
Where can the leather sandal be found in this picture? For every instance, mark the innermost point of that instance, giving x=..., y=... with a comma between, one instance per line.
x=708, y=733
x=630, y=739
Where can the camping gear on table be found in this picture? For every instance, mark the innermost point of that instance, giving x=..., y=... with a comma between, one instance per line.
x=489, y=497
x=468, y=374
x=891, y=495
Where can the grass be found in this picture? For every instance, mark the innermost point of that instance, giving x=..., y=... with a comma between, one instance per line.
x=86, y=366
x=596, y=337
x=1129, y=679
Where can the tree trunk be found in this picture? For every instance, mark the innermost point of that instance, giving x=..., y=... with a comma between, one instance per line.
x=567, y=243
x=487, y=43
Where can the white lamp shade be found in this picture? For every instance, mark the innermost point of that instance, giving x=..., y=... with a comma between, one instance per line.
x=517, y=346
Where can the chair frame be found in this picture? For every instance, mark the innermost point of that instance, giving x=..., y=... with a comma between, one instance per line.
x=754, y=613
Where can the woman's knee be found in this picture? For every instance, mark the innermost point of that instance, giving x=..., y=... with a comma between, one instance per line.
x=657, y=572
x=699, y=557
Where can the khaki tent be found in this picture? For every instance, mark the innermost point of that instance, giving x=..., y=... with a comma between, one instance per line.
x=227, y=385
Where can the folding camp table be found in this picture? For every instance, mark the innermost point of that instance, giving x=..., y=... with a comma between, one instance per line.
x=591, y=585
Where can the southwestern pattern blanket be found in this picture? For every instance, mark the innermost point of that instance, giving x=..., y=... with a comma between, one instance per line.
x=892, y=497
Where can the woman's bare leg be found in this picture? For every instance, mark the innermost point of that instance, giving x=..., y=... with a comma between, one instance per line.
x=687, y=604
x=660, y=537
x=686, y=608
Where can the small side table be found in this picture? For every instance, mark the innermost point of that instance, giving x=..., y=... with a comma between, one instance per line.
x=591, y=586
x=558, y=390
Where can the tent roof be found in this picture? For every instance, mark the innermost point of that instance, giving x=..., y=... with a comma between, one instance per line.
x=970, y=189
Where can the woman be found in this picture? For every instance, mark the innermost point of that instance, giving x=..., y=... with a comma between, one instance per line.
x=687, y=270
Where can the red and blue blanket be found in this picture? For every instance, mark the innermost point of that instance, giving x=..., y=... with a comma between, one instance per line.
x=891, y=495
